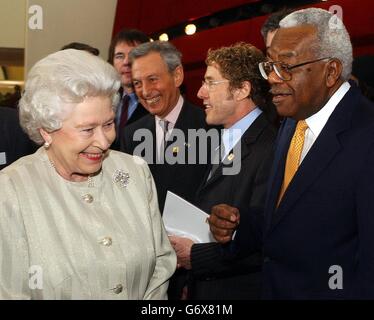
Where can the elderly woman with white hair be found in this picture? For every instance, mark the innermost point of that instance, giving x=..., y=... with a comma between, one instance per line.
x=77, y=220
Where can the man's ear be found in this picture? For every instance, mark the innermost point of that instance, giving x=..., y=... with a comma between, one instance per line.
x=46, y=136
x=178, y=76
x=334, y=72
x=244, y=91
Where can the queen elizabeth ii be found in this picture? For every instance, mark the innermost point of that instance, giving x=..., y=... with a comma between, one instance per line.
x=77, y=220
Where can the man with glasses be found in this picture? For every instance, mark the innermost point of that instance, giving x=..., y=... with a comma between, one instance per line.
x=129, y=109
x=157, y=74
x=319, y=218
x=234, y=95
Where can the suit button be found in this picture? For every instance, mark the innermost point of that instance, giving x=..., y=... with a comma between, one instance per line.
x=106, y=241
x=87, y=198
x=266, y=259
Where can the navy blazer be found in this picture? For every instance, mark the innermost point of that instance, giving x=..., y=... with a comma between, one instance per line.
x=211, y=276
x=325, y=221
x=138, y=113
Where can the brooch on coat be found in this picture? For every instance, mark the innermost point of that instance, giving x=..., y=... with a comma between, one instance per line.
x=121, y=178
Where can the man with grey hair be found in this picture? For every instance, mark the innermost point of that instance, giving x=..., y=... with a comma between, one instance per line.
x=318, y=239
x=157, y=75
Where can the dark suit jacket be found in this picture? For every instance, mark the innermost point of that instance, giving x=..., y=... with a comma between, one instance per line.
x=13, y=141
x=182, y=179
x=326, y=216
x=138, y=113
x=211, y=276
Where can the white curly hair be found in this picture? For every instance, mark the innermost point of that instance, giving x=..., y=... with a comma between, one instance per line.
x=57, y=83
x=333, y=37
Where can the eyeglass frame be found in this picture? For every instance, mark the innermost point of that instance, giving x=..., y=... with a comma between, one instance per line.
x=288, y=67
x=209, y=83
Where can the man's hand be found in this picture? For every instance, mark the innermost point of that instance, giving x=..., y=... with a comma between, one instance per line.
x=223, y=221
x=182, y=247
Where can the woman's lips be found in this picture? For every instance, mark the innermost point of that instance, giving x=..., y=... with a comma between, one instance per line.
x=95, y=157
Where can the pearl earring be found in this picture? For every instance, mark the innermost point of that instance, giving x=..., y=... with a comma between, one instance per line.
x=46, y=145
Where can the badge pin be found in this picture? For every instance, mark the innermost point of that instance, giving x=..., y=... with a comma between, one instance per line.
x=175, y=149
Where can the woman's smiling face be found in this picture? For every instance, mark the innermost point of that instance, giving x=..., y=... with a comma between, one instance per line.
x=79, y=147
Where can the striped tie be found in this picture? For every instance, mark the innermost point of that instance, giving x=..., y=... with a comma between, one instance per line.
x=164, y=124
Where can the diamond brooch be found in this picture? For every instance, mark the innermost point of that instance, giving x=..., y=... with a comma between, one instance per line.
x=121, y=178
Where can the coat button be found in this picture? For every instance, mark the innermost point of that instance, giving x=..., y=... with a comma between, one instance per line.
x=106, y=241
x=118, y=289
x=88, y=198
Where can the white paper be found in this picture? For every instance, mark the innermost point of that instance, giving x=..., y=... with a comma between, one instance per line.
x=2, y=158
x=183, y=219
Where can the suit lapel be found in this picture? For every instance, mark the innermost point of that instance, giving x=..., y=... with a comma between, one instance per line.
x=249, y=137
x=151, y=125
x=318, y=158
x=276, y=175
x=181, y=124
x=138, y=113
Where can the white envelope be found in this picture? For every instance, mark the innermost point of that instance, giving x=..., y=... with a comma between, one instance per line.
x=2, y=158
x=183, y=219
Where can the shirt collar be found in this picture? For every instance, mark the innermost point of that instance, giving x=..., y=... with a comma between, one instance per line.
x=132, y=96
x=232, y=135
x=317, y=121
x=173, y=115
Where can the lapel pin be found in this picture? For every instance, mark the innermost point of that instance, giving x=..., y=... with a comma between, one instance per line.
x=175, y=149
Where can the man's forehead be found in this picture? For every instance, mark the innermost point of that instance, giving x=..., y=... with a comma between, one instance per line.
x=212, y=71
x=213, y=66
x=292, y=41
x=149, y=64
x=124, y=44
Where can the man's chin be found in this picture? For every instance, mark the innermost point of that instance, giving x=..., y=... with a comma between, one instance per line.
x=212, y=121
x=154, y=110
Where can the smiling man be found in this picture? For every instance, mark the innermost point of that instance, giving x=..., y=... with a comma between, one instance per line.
x=157, y=74
x=319, y=223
